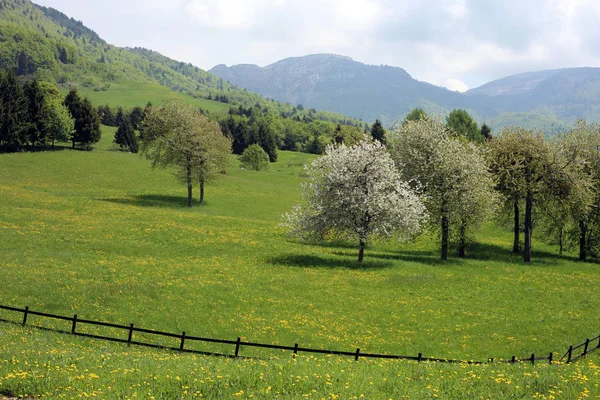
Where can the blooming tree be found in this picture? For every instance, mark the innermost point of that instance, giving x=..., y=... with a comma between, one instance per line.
x=356, y=192
x=452, y=173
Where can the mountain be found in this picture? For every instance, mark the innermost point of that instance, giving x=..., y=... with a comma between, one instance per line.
x=337, y=83
x=546, y=100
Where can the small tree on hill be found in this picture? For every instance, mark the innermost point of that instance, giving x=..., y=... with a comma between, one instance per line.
x=254, y=157
x=356, y=192
x=462, y=124
x=416, y=114
x=378, y=132
x=179, y=135
x=125, y=137
x=87, y=121
x=59, y=125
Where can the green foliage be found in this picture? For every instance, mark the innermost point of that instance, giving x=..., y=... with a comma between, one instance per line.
x=178, y=135
x=378, y=132
x=462, y=124
x=417, y=114
x=125, y=136
x=87, y=122
x=14, y=122
x=255, y=158
x=59, y=124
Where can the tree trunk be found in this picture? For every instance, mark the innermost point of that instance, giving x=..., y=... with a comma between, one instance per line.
x=463, y=239
x=445, y=229
x=52, y=144
x=517, y=228
x=582, y=240
x=73, y=144
x=201, y=191
x=560, y=240
x=528, y=226
x=189, y=181
x=361, y=251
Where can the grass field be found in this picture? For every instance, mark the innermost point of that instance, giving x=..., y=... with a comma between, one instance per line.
x=130, y=94
x=102, y=235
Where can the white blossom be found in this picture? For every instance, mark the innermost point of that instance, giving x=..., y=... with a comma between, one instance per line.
x=356, y=192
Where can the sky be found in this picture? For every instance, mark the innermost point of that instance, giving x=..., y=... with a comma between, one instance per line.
x=459, y=44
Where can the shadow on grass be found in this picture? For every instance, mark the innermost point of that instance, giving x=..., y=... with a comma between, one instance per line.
x=313, y=261
x=153, y=200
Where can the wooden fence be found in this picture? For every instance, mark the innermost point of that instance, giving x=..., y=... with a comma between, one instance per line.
x=587, y=349
x=131, y=329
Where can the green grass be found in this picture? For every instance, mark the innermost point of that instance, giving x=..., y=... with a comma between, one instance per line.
x=130, y=94
x=102, y=235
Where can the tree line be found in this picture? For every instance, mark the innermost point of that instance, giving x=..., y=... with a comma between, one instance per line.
x=34, y=113
x=448, y=178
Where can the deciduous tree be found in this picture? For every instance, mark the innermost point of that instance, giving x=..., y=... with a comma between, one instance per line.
x=356, y=192
x=178, y=135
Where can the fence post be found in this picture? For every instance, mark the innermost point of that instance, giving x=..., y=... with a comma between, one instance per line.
x=550, y=358
x=182, y=341
x=25, y=315
x=130, y=336
x=420, y=357
x=598, y=347
x=356, y=356
x=585, y=349
x=570, y=354
x=74, y=324
x=532, y=359
x=237, y=346
x=295, y=350
x=513, y=360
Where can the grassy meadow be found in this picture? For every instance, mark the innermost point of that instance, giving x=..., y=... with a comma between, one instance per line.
x=102, y=235
x=129, y=94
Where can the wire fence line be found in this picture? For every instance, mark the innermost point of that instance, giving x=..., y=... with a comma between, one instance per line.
x=183, y=338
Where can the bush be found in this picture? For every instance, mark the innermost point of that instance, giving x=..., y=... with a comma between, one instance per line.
x=254, y=157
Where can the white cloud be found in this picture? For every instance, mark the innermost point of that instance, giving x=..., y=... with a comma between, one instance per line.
x=230, y=14
x=472, y=41
x=456, y=85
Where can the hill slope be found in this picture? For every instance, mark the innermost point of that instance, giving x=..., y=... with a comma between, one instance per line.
x=45, y=43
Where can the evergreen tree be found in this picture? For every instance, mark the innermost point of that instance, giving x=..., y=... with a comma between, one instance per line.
x=74, y=104
x=125, y=137
x=378, y=132
x=136, y=117
x=87, y=121
x=119, y=117
x=14, y=118
x=486, y=132
x=338, y=136
x=36, y=111
x=89, y=124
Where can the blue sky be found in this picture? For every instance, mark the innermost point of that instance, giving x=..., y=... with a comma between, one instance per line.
x=459, y=44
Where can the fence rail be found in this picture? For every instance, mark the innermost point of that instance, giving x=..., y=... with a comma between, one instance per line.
x=588, y=347
x=239, y=343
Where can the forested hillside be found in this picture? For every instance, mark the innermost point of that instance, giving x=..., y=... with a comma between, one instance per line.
x=46, y=44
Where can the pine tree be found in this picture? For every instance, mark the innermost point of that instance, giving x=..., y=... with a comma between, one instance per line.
x=125, y=137
x=74, y=104
x=36, y=112
x=14, y=119
x=378, y=132
x=87, y=121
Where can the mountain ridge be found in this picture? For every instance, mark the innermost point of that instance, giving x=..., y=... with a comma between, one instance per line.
x=547, y=99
